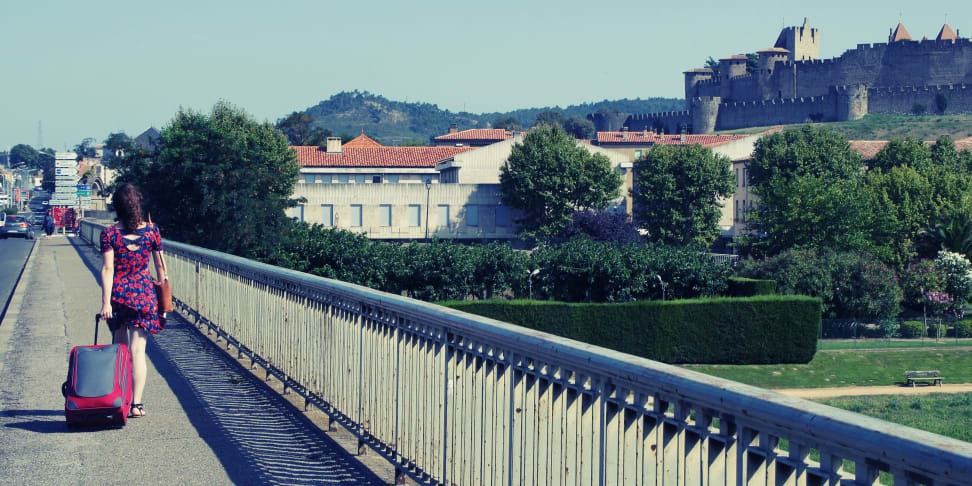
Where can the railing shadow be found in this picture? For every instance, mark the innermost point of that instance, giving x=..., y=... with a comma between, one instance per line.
x=259, y=437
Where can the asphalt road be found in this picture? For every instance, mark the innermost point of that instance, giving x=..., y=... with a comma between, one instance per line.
x=13, y=255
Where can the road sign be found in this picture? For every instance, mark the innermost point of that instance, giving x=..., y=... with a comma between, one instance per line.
x=66, y=171
x=84, y=193
x=84, y=187
x=64, y=189
x=66, y=180
x=65, y=156
x=62, y=163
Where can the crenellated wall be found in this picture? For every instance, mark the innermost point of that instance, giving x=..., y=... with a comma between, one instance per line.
x=902, y=100
x=742, y=114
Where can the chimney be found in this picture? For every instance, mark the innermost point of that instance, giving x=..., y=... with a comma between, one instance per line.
x=333, y=145
x=682, y=137
x=453, y=128
x=644, y=133
x=624, y=133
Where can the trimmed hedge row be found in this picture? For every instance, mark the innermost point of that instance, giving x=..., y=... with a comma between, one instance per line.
x=748, y=287
x=723, y=330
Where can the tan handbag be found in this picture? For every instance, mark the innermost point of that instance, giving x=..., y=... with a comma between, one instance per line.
x=163, y=292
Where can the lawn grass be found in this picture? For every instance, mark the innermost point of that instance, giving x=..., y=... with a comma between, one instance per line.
x=849, y=368
x=884, y=127
x=942, y=413
x=844, y=344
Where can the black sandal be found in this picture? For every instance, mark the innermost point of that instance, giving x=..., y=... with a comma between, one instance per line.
x=136, y=406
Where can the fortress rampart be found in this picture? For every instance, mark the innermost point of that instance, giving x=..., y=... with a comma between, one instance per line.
x=792, y=85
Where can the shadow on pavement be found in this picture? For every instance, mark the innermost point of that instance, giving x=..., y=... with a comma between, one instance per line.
x=259, y=437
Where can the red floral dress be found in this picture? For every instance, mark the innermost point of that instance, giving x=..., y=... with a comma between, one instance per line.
x=133, y=301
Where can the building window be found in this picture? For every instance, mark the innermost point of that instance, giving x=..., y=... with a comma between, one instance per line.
x=299, y=212
x=359, y=179
x=737, y=209
x=502, y=216
x=392, y=178
x=745, y=177
x=308, y=178
x=327, y=215
x=472, y=215
x=343, y=178
x=356, y=215
x=384, y=211
x=324, y=178
x=443, y=215
x=376, y=179
x=737, y=177
x=638, y=154
x=414, y=215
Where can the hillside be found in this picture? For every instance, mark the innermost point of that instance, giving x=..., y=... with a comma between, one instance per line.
x=884, y=127
x=396, y=122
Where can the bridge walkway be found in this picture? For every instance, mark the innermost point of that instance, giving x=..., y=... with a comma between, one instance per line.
x=209, y=420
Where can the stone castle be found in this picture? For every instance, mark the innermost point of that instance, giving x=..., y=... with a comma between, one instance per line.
x=791, y=84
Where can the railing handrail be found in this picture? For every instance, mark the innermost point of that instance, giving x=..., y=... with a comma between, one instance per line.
x=812, y=423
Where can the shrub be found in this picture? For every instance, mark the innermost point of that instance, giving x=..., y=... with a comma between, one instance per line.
x=851, y=285
x=910, y=329
x=604, y=226
x=918, y=109
x=581, y=270
x=748, y=330
x=748, y=287
x=963, y=328
x=958, y=276
x=918, y=278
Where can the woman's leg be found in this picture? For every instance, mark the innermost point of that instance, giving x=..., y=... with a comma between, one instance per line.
x=138, y=338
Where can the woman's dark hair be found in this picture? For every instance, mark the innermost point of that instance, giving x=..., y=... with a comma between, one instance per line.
x=128, y=205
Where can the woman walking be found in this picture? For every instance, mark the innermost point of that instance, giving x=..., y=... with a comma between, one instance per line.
x=128, y=299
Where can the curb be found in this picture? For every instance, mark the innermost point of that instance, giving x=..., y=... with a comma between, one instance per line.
x=12, y=312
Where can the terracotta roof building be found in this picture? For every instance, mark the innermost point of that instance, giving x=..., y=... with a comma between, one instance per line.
x=476, y=137
x=900, y=33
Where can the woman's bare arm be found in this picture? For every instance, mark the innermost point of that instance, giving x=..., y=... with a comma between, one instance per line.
x=107, y=279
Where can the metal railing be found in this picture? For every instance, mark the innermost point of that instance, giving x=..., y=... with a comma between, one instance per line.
x=453, y=398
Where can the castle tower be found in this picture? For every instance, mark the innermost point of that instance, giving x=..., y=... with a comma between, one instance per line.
x=692, y=77
x=803, y=42
x=851, y=102
x=898, y=34
x=705, y=112
x=730, y=67
x=946, y=34
x=768, y=59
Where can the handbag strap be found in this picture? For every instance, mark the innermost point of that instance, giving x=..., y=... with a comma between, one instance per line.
x=161, y=254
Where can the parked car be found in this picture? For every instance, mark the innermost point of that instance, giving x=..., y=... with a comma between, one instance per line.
x=16, y=226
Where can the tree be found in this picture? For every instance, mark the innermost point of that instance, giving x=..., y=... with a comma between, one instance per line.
x=579, y=127
x=677, y=191
x=550, y=117
x=24, y=154
x=809, y=185
x=221, y=181
x=86, y=148
x=712, y=64
x=941, y=103
x=508, y=123
x=299, y=130
x=604, y=226
x=549, y=176
x=900, y=152
x=752, y=63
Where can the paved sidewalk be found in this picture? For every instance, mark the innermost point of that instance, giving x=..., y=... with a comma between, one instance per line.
x=854, y=391
x=209, y=421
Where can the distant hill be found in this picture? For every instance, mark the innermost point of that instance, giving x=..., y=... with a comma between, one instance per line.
x=396, y=122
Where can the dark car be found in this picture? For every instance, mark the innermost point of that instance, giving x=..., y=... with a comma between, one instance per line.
x=16, y=226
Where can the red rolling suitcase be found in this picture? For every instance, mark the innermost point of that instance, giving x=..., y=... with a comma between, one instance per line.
x=98, y=390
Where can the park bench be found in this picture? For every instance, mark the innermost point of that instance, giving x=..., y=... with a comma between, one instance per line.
x=932, y=376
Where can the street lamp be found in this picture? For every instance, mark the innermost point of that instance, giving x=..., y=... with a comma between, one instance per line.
x=428, y=192
x=530, y=275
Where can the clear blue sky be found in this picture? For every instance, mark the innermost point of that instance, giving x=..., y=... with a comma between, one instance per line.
x=86, y=69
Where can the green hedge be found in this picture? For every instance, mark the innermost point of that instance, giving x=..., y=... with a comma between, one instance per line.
x=724, y=330
x=748, y=287
x=963, y=328
x=910, y=329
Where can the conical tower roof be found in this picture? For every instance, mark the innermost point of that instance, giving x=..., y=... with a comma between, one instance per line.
x=900, y=34
x=946, y=34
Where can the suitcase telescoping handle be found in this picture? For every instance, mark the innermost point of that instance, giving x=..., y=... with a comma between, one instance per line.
x=97, y=318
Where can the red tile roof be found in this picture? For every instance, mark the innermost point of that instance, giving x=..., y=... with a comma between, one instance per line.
x=416, y=157
x=640, y=138
x=497, y=134
x=361, y=141
x=869, y=148
x=774, y=49
x=946, y=34
x=737, y=57
x=900, y=34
